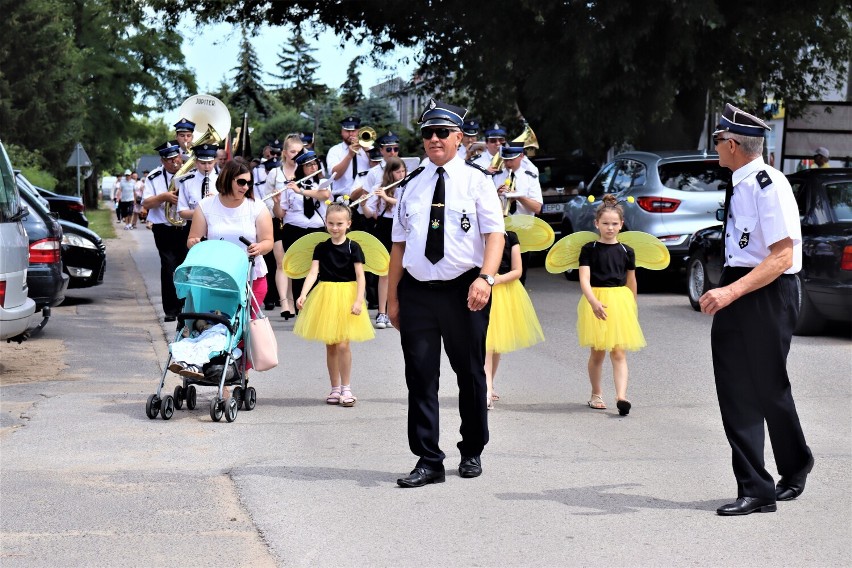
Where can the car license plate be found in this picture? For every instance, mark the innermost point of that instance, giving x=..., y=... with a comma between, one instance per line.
x=552, y=208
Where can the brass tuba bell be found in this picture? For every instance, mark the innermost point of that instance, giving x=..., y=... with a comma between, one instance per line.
x=212, y=123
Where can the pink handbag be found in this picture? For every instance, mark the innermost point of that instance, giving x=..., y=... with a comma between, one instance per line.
x=264, y=347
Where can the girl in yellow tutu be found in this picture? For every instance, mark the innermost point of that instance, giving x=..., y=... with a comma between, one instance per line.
x=334, y=312
x=513, y=324
x=607, y=316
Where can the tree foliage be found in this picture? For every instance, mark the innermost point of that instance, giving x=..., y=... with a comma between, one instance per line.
x=298, y=68
x=351, y=91
x=249, y=94
x=594, y=74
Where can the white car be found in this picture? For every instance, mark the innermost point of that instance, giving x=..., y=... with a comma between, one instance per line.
x=16, y=309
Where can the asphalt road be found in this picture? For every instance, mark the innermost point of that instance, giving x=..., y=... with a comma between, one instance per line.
x=89, y=480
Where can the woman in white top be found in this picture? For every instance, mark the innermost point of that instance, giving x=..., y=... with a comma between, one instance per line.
x=276, y=180
x=232, y=214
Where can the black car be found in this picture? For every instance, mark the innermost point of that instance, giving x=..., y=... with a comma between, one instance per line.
x=83, y=255
x=45, y=279
x=67, y=207
x=824, y=197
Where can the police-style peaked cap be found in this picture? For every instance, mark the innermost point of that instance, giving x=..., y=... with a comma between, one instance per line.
x=495, y=130
x=350, y=123
x=184, y=125
x=511, y=150
x=205, y=152
x=740, y=122
x=470, y=127
x=306, y=157
x=438, y=113
x=168, y=150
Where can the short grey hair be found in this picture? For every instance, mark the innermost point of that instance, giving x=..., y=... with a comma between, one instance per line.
x=752, y=146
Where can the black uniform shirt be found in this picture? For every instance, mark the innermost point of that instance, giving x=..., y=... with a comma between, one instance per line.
x=608, y=264
x=337, y=262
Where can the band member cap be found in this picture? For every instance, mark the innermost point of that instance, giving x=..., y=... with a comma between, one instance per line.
x=205, y=152
x=439, y=113
x=168, y=150
x=470, y=127
x=740, y=122
x=350, y=123
x=184, y=125
x=306, y=157
x=511, y=150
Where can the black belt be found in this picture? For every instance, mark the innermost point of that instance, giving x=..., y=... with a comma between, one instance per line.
x=739, y=271
x=464, y=280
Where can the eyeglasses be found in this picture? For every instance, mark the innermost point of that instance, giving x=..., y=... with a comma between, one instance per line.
x=442, y=133
x=396, y=148
x=242, y=182
x=717, y=141
x=274, y=153
x=497, y=140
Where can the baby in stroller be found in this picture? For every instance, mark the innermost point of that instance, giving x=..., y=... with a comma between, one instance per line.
x=197, y=342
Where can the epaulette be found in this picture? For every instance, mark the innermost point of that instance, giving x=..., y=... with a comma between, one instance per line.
x=480, y=168
x=153, y=175
x=190, y=175
x=529, y=173
x=414, y=173
x=763, y=179
x=363, y=173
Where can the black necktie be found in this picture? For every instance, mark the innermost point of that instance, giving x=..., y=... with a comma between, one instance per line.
x=205, y=187
x=513, y=207
x=308, y=203
x=435, y=234
x=354, y=168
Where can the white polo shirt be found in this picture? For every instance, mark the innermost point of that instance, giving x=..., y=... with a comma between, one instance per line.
x=470, y=195
x=762, y=212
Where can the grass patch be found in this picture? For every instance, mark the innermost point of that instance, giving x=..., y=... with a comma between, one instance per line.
x=102, y=220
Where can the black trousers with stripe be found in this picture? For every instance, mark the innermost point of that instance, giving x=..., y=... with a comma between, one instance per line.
x=428, y=314
x=750, y=341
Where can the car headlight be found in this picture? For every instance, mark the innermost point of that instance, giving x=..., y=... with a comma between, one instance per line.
x=73, y=240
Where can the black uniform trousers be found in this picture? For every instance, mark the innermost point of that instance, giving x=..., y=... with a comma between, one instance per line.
x=750, y=341
x=171, y=244
x=428, y=313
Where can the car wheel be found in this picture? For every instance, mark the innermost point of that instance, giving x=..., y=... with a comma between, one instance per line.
x=809, y=322
x=696, y=281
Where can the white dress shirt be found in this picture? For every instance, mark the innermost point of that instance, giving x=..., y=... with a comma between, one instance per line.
x=156, y=183
x=189, y=187
x=342, y=185
x=526, y=185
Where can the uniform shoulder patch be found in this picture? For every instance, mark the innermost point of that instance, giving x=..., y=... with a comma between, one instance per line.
x=187, y=176
x=763, y=179
x=411, y=176
x=480, y=168
x=531, y=174
x=154, y=175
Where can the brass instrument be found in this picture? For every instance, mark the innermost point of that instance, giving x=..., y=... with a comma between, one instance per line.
x=530, y=141
x=212, y=121
x=509, y=183
x=366, y=137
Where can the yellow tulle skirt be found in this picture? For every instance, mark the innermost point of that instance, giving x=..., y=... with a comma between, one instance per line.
x=327, y=315
x=620, y=329
x=513, y=324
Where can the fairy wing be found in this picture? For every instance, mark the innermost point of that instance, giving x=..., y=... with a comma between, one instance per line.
x=375, y=254
x=297, y=259
x=650, y=251
x=533, y=233
x=565, y=253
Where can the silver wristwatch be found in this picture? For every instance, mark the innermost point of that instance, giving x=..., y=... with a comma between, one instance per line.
x=488, y=278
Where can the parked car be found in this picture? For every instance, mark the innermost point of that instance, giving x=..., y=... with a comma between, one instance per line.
x=67, y=207
x=675, y=194
x=45, y=279
x=16, y=309
x=824, y=197
x=83, y=255
x=561, y=179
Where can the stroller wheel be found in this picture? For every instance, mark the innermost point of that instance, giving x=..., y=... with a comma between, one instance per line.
x=152, y=407
x=167, y=407
x=238, y=395
x=231, y=409
x=249, y=398
x=179, y=397
x=216, y=411
x=190, y=397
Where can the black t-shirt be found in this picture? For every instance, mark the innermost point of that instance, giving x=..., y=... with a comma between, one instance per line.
x=337, y=262
x=608, y=264
x=506, y=261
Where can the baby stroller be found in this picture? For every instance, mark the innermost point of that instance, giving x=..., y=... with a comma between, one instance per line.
x=215, y=277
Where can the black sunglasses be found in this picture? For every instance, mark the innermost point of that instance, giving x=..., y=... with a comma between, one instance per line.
x=717, y=141
x=242, y=182
x=396, y=148
x=442, y=133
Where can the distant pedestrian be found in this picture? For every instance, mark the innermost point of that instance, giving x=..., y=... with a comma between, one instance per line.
x=607, y=316
x=334, y=313
x=126, y=198
x=821, y=157
x=754, y=312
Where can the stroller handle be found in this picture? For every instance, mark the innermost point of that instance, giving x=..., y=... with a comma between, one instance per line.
x=248, y=243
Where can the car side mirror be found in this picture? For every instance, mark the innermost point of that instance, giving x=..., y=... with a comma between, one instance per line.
x=720, y=215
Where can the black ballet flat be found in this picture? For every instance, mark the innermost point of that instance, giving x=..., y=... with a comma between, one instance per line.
x=286, y=314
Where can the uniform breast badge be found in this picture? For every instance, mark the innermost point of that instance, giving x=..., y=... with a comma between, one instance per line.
x=435, y=224
x=744, y=240
x=465, y=223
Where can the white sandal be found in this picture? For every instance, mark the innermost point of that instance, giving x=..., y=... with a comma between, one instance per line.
x=346, y=397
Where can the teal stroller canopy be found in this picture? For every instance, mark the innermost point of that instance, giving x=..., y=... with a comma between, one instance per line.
x=214, y=276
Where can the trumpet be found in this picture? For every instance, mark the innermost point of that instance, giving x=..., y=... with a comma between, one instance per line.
x=367, y=195
x=297, y=182
x=366, y=137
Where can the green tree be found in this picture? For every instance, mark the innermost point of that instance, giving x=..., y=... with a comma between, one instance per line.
x=248, y=94
x=298, y=69
x=595, y=74
x=351, y=92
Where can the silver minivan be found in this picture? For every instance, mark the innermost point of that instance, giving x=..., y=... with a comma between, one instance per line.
x=16, y=309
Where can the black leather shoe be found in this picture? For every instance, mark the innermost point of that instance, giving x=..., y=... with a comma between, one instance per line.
x=421, y=476
x=746, y=506
x=169, y=318
x=789, y=488
x=470, y=467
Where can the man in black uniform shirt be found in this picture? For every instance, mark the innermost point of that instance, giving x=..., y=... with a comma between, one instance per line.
x=447, y=244
x=754, y=312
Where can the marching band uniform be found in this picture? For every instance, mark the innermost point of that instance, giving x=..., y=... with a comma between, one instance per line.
x=169, y=239
x=438, y=255
x=359, y=165
x=184, y=130
x=751, y=336
x=524, y=182
x=484, y=159
x=470, y=128
x=192, y=187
